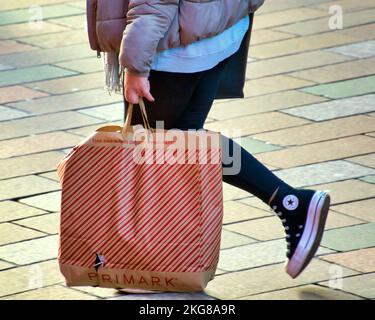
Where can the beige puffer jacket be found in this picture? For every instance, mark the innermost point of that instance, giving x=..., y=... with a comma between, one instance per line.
x=137, y=29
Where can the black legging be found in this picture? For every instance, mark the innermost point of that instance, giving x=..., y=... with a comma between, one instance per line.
x=183, y=101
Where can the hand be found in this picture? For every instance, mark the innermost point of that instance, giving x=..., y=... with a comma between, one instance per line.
x=135, y=87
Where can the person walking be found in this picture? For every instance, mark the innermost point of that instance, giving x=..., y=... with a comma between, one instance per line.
x=174, y=54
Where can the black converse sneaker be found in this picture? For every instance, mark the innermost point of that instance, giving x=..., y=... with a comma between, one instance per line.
x=303, y=213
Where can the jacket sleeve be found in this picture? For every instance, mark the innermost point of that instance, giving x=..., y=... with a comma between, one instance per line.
x=147, y=23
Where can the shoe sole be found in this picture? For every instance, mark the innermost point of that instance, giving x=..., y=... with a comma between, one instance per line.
x=312, y=234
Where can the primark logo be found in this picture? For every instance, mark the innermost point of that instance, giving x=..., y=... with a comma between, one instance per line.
x=126, y=279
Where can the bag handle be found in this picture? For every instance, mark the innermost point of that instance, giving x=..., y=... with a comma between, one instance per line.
x=127, y=124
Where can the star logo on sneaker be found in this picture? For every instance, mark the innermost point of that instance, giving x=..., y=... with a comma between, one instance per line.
x=290, y=202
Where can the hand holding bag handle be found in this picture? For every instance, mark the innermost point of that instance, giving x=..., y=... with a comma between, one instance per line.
x=127, y=125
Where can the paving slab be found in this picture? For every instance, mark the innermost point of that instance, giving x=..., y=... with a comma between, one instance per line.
x=11, y=233
x=318, y=132
x=37, y=143
x=23, y=15
x=86, y=65
x=24, y=75
x=268, y=35
x=235, y=211
x=47, y=223
x=70, y=84
x=30, y=251
x=18, y=30
x=261, y=104
x=73, y=22
x=338, y=71
x=320, y=25
x=60, y=39
x=345, y=88
x=12, y=210
x=49, y=201
x=347, y=190
x=293, y=62
x=324, y=172
x=25, y=186
x=256, y=255
x=263, y=229
x=299, y=44
x=11, y=46
x=369, y=179
x=318, y=152
x=335, y=108
x=254, y=146
x=7, y=113
x=26, y=278
x=363, y=209
x=269, y=278
x=347, y=5
x=361, y=260
x=366, y=160
x=288, y=16
x=272, y=84
x=362, y=49
x=252, y=124
x=29, y=164
x=56, y=292
x=232, y=193
x=233, y=239
x=16, y=93
x=350, y=238
x=365, y=32
x=45, y=123
x=337, y=220
x=5, y=265
x=47, y=56
x=68, y=101
x=307, y=292
x=50, y=175
x=361, y=285
x=111, y=112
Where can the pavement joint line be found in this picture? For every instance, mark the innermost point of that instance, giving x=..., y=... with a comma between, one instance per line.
x=28, y=227
x=341, y=290
x=360, y=155
x=324, y=120
x=286, y=147
x=44, y=19
x=34, y=153
x=32, y=195
x=340, y=81
x=359, y=24
x=322, y=49
x=243, y=235
x=25, y=291
x=343, y=265
x=84, y=292
x=26, y=240
x=348, y=59
x=316, y=163
x=33, y=216
x=246, y=220
x=331, y=82
x=30, y=263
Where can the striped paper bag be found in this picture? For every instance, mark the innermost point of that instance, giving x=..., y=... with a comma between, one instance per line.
x=141, y=208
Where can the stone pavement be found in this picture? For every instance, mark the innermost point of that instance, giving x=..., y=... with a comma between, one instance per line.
x=308, y=114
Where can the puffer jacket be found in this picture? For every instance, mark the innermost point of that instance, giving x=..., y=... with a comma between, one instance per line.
x=138, y=29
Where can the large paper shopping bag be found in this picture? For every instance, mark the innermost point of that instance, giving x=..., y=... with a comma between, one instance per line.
x=141, y=208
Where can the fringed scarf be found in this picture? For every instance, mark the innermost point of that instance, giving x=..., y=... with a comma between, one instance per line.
x=113, y=73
